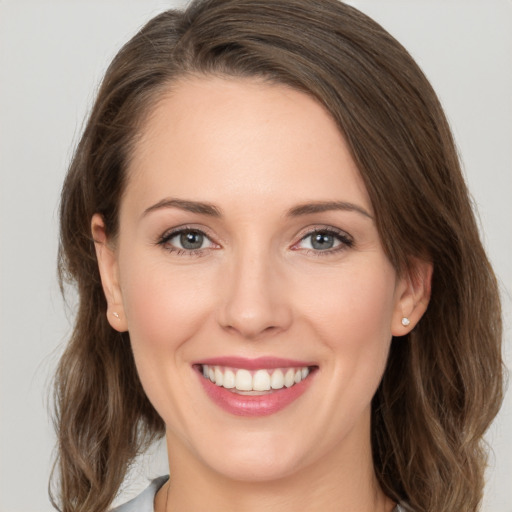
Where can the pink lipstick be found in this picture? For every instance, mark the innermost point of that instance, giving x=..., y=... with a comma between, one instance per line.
x=254, y=387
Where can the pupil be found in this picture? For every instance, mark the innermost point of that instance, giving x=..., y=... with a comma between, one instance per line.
x=322, y=241
x=191, y=240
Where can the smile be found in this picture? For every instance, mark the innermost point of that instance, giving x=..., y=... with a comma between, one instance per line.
x=254, y=381
x=254, y=387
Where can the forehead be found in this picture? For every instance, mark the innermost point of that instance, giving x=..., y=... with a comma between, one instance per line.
x=218, y=138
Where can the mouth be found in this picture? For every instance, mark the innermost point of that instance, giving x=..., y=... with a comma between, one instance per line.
x=254, y=382
x=254, y=387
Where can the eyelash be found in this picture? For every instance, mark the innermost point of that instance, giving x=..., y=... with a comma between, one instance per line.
x=345, y=240
x=166, y=237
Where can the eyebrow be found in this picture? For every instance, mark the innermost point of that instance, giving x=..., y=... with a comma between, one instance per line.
x=324, y=206
x=189, y=206
x=297, y=211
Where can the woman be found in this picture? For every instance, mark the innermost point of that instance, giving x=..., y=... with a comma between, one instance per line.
x=278, y=269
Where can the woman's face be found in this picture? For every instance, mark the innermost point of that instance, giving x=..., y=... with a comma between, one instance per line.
x=248, y=252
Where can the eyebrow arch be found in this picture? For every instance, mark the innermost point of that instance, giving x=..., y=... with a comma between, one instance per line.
x=324, y=206
x=189, y=206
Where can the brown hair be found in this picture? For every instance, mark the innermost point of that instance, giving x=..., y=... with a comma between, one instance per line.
x=443, y=383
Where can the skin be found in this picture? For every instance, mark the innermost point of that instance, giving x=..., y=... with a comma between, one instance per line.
x=258, y=288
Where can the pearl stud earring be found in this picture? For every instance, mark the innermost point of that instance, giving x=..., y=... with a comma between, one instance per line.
x=116, y=314
x=405, y=321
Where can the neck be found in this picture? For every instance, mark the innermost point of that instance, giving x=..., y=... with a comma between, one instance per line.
x=342, y=481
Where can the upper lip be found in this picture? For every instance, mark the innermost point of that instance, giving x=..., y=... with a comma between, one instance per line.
x=254, y=364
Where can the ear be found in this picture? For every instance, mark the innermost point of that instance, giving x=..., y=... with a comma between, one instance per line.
x=413, y=295
x=109, y=272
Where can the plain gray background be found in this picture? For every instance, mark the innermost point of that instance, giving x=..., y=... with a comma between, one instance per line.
x=52, y=56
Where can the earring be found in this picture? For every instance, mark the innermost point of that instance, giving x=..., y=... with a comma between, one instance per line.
x=405, y=321
x=116, y=314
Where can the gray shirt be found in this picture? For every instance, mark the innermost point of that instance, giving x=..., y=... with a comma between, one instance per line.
x=144, y=502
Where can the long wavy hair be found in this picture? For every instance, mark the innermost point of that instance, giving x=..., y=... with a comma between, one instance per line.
x=443, y=382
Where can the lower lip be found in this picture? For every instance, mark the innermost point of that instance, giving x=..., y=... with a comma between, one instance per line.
x=254, y=405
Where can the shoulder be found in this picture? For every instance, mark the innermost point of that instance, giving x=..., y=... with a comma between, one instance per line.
x=144, y=501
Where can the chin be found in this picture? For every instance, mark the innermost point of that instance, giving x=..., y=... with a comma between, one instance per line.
x=254, y=457
x=258, y=469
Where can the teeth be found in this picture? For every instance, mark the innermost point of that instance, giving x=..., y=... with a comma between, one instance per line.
x=277, y=380
x=229, y=381
x=260, y=380
x=243, y=380
x=289, y=378
x=219, y=376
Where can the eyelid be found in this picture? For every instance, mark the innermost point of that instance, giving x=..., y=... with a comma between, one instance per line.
x=169, y=233
x=315, y=228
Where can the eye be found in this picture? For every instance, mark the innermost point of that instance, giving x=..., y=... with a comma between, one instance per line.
x=325, y=240
x=320, y=241
x=191, y=241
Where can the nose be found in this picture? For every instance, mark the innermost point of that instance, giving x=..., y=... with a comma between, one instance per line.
x=254, y=303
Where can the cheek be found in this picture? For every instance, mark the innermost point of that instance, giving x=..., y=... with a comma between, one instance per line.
x=353, y=302
x=163, y=306
x=351, y=320
x=352, y=317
